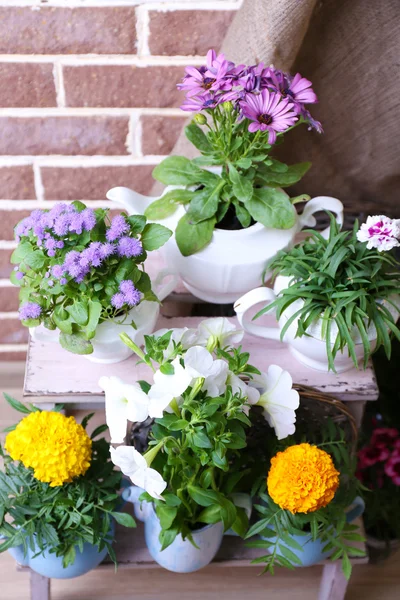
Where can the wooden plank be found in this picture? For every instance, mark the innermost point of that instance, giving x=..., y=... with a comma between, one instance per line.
x=333, y=584
x=40, y=587
x=53, y=374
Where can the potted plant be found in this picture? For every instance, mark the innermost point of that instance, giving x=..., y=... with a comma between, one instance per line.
x=227, y=207
x=337, y=299
x=307, y=504
x=187, y=481
x=82, y=278
x=379, y=471
x=58, y=494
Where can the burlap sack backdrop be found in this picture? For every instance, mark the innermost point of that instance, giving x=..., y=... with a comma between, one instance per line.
x=349, y=49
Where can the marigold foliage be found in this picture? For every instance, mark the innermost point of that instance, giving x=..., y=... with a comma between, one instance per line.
x=302, y=479
x=56, y=447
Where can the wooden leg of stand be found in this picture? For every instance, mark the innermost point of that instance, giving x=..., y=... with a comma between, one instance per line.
x=40, y=587
x=333, y=583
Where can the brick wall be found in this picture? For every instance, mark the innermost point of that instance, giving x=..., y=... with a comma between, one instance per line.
x=88, y=101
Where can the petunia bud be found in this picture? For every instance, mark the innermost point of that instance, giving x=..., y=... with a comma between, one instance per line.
x=200, y=119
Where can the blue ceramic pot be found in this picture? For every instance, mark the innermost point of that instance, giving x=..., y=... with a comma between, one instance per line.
x=181, y=556
x=312, y=550
x=49, y=565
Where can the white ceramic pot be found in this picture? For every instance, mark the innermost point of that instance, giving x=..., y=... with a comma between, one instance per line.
x=108, y=348
x=234, y=261
x=309, y=349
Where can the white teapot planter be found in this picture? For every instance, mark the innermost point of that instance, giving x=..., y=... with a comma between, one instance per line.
x=309, y=349
x=108, y=347
x=234, y=261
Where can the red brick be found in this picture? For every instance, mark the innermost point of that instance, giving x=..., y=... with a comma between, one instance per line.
x=185, y=32
x=63, y=135
x=92, y=183
x=122, y=86
x=5, y=266
x=8, y=220
x=17, y=183
x=159, y=134
x=12, y=332
x=9, y=299
x=12, y=356
x=49, y=30
x=27, y=84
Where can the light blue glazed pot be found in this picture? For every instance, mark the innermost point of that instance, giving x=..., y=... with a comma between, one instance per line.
x=181, y=556
x=312, y=550
x=49, y=565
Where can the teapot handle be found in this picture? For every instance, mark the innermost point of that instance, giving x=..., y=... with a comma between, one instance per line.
x=246, y=303
x=307, y=219
x=162, y=288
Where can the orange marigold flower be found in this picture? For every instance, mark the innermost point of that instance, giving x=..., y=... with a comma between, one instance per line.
x=56, y=447
x=302, y=479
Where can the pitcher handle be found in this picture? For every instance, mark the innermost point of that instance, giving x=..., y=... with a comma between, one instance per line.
x=355, y=510
x=247, y=302
x=162, y=290
x=307, y=219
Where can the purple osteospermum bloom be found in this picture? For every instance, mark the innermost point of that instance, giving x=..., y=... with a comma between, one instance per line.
x=118, y=300
x=118, y=227
x=19, y=275
x=89, y=219
x=129, y=247
x=29, y=310
x=269, y=113
x=198, y=103
x=57, y=271
x=298, y=89
x=215, y=77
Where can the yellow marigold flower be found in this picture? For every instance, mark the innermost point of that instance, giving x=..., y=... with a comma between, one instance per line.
x=302, y=479
x=56, y=447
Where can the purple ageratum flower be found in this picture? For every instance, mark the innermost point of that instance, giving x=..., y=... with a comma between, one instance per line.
x=94, y=252
x=57, y=271
x=29, y=310
x=63, y=280
x=129, y=247
x=118, y=227
x=50, y=245
x=131, y=294
x=76, y=223
x=269, y=113
x=89, y=219
x=19, y=275
x=71, y=263
x=380, y=232
x=61, y=225
x=118, y=300
x=107, y=250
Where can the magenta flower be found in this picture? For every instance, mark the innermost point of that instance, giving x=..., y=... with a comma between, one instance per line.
x=297, y=89
x=370, y=455
x=198, y=103
x=392, y=468
x=269, y=113
x=380, y=232
x=214, y=77
x=384, y=436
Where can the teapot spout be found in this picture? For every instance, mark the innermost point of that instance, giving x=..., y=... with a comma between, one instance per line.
x=133, y=202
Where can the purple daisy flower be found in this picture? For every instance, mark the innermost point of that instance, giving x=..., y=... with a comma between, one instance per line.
x=298, y=89
x=215, y=77
x=203, y=102
x=29, y=310
x=129, y=247
x=118, y=300
x=269, y=113
x=118, y=227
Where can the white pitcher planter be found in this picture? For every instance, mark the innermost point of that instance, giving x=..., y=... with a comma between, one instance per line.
x=107, y=345
x=234, y=261
x=309, y=349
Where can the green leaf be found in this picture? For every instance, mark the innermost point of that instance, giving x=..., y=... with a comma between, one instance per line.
x=244, y=163
x=35, y=260
x=63, y=324
x=137, y=223
x=154, y=236
x=272, y=208
x=79, y=312
x=211, y=514
x=167, y=369
x=291, y=556
x=203, y=497
x=167, y=204
x=179, y=425
x=16, y=404
x=292, y=175
x=167, y=536
x=166, y=514
x=346, y=566
x=75, y=343
x=124, y=519
x=80, y=207
x=241, y=522
x=94, y=309
x=197, y=137
x=300, y=198
x=99, y=430
x=22, y=250
x=242, y=214
x=201, y=440
x=228, y=513
x=242, y=188
x=204, y=204
x=177, y=170
x=193, y=238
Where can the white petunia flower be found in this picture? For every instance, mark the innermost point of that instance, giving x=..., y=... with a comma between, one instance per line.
x=380, y=232
x=200, y=363
x=123, y=403
x=218, y=331
x=167, y=387
x=134, y=466
x=240, y=387
x=278, y=399
x=184, y=336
